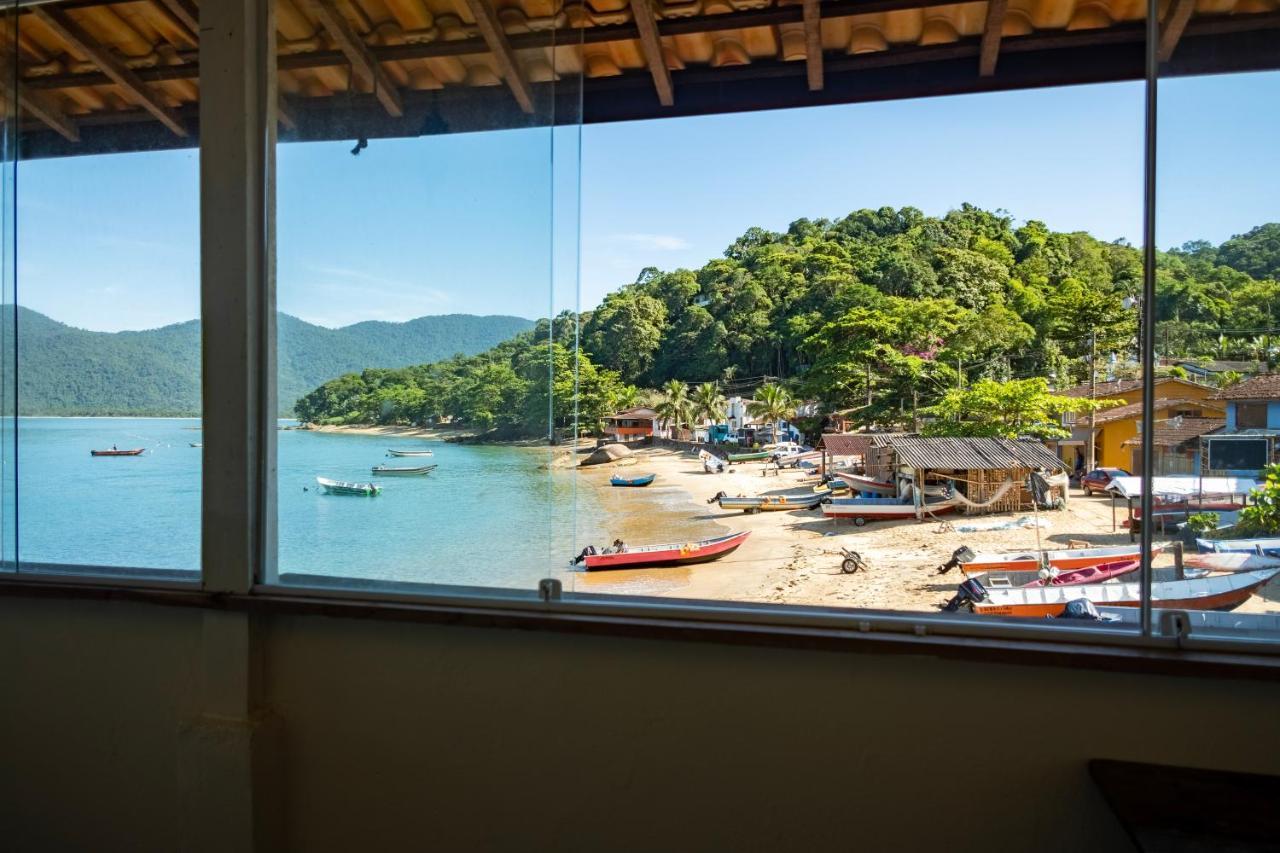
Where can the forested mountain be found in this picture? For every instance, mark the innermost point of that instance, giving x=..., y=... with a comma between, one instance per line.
x=912, y=304
x=69, y=371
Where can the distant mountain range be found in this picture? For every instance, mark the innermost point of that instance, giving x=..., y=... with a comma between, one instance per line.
x=68, y=371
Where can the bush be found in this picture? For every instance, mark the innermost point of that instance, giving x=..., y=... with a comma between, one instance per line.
x=1263, y=515
x=1203, y=522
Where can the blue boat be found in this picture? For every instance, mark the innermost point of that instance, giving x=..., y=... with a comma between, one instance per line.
x=643, y=480
x=1268, y=547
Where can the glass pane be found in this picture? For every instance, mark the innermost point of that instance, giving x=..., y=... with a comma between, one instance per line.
x=8, y=301
x=108, y=290
x=1217, y=283
x=886, y=307
x=426, y=287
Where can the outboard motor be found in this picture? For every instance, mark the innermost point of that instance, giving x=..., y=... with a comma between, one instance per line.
x=959, y=557
x=717, y=497
x=969, y=593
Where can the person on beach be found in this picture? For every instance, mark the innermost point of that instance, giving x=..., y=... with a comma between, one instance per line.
x=618, y=547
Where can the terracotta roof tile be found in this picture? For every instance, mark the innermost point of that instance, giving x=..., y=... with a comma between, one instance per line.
x=1264, y=387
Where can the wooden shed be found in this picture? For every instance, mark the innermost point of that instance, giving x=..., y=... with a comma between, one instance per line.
x=990, y=473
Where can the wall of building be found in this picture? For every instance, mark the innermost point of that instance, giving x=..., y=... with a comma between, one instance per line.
x=406, y=736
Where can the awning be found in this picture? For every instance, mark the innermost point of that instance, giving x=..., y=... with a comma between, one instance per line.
x=1131, y=487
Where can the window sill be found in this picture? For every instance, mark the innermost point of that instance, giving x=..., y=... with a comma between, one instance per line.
x=826, y=629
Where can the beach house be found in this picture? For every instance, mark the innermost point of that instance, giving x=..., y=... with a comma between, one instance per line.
x=1247, y=441
x=631, y=424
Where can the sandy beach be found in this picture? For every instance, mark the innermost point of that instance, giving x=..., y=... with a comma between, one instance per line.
x=793, y=557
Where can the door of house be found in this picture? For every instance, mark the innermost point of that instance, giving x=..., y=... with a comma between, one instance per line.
x=1135, y=461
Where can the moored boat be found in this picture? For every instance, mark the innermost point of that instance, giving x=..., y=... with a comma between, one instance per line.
x=748, y=457
x=865, y=484
x=1217, y=592
x=862, y=510
x=339, y=487
x=1030, y=561
x=411, y=452
x=1236, y=546
x=390, y=470
x=113, y=452
x=688, y=553
x=768, y=503
x=1089, y=574
x=642, y=480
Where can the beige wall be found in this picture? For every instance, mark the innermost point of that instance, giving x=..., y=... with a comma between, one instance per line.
x=404, y=736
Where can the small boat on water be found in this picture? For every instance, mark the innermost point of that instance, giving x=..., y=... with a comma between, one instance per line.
x=113, y=452
x=646, y=556
x=1270, y=547
x=1030, y=561
x=1089, y=574
x=338, y=487
x=411, y=452
x=196, y=444
x=768, y=503
x=862, y=510
x=642, y=480
x=753, y=456
x=1217, y=592
x=859, y=483
x=389, y=470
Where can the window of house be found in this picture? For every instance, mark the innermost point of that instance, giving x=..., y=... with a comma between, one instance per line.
x=1251, y=415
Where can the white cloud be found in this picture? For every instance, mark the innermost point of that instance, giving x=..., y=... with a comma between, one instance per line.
x=666, y=242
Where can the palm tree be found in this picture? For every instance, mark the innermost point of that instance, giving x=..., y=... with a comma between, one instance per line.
x=674, y=406
x=729, y=372
x=774, y=403
x=1227, y=378
x=708, y=402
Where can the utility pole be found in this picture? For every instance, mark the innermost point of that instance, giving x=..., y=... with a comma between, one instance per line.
x=1093, y=394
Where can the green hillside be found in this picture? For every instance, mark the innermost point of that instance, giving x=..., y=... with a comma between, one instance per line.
x=69, y=371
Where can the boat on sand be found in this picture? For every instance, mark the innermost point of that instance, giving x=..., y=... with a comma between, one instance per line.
x=1030, y=561
x=768, y=503
x=688, y=553
x=1089, y=574
x=642, y=480
x=753, y=456
x=862, y=510
x=859, y=483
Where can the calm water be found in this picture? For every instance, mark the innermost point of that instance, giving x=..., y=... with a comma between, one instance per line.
x=490, y=516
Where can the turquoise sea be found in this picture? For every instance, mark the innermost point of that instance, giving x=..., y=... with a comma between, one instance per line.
x=489, y=516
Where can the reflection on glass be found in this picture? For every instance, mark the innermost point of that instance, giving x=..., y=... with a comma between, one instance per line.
x=107, y=295
x=8, y=302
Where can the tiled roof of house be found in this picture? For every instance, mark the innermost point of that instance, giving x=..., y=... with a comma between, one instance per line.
x=1177, y=431
x=1264, y=387
x=1122, y=386
x=1134, y=410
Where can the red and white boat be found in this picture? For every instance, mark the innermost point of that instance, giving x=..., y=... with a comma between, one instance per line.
x=1089, y=574
x=1231, y=562
x=1217, y=592
x=114, y=452
x=1064, y=559
x=862, y=510
x=645, y=556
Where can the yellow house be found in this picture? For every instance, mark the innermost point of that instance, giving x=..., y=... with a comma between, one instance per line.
x=1113, y=427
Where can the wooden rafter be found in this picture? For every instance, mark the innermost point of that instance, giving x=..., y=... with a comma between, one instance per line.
x=1172, y=27
x=363, y=63
x=813, y=44
x=185, y=12
x=496, y=38
x=38, y=104
x=992, y=32
x=651, y=43
x=78, y=39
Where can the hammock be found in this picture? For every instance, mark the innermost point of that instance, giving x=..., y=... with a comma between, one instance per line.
x=1000, y=493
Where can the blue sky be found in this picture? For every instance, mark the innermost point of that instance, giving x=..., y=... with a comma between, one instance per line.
x=462, y=223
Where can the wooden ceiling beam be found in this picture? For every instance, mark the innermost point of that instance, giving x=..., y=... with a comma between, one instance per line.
x=79, y=40
x=1172, y=27
x=992, y=32
x=813, y=44
x=38, y=104
x=651, y=44
x=185, y=12
x=363, y=63
x=496, y=38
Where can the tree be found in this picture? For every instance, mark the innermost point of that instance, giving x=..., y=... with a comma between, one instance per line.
x=1262, y=515
x=1017, y=409
x=625, y=331
x=1227, y=378
x=773, y=403
x=708, y=402
x=674, y=406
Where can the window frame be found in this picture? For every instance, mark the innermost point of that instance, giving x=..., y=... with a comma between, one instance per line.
x=238, y=513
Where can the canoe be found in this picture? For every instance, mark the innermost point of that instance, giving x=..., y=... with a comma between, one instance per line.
x=702, y=551
x=196, y=444
x=411, y=452
x=1236, y=546
x=1218, y=592
x=862, y=510
x=1089, y=574
x=388, y=470
x=866, y=484
x=136, y=452
x=748, y=457
x=768, y=503
x=338, y=487
x=1232, y=561
x=642, y=480
x=1064, y=559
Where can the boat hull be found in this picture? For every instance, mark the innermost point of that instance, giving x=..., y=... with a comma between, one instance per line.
x=1063, y=560
x=778, y=503
x=733, y=458
x=1089, y=574
x=633, y=482
x=337, y=487
x=411, y=452
x=137, y=452
x=861, y=512
x=866, y=484
x=656, y=556
x=1221, y=592
x=384, y=471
